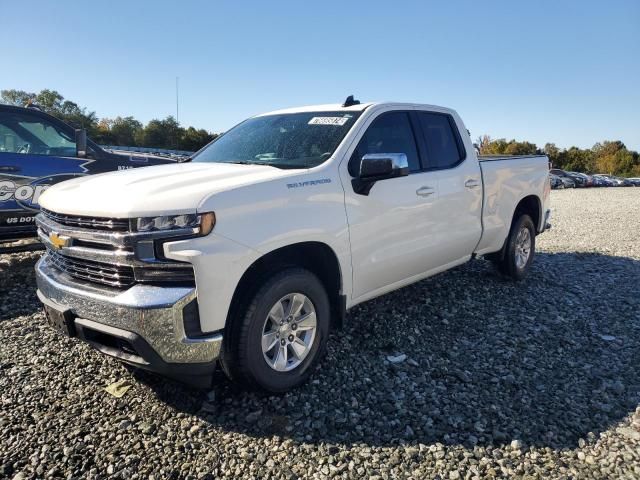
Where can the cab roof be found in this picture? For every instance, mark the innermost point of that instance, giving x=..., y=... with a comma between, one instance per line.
x=337, y=107
x=329, y=107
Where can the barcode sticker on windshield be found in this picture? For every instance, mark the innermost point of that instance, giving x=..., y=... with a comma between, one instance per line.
x=328, y=120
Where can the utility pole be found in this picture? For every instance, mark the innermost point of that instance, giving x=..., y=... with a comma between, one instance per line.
x=177, y=103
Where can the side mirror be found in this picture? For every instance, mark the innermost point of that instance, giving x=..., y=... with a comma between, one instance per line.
x=81, y=143
x=379, y=166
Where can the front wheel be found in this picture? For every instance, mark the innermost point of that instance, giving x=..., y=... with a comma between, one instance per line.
x=281, y=333
x=519, y=249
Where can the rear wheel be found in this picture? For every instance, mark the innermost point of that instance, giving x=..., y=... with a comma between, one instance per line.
x=519, y=249
x=281, y=334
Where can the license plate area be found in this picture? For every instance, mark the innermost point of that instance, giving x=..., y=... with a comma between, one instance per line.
x=61, y=320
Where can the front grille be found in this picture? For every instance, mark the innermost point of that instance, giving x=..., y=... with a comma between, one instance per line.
x=118, y=276
x=97, y=223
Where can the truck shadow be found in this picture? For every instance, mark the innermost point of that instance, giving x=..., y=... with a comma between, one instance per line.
x=547, y=361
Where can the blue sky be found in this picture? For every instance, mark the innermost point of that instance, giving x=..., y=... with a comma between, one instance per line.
x=561, y=71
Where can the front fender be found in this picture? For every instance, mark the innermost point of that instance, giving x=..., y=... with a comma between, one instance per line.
x=308, y=207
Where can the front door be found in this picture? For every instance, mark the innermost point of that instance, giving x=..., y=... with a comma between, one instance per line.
x=393, y=230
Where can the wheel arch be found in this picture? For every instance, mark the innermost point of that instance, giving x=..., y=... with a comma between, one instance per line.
x=317, y=257
x=530, y=205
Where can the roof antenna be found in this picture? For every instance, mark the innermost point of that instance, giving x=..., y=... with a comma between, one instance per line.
x=350, y=101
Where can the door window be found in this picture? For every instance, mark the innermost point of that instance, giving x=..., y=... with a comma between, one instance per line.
x=30, y=134
x=389, y=133
x=444, y=148
x=10, y=141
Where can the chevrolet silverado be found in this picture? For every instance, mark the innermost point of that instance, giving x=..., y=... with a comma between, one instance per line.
x=251, y=252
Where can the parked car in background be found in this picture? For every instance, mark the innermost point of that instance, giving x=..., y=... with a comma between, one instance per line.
x=613, y=181
x=625, y=182
x=603, y=180
x=38, y=150
x=567, y=180
x=555, y=181
x=635, y=181
x=600, y=181
x=581, y=179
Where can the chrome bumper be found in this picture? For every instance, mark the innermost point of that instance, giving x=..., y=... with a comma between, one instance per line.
x=155, y=314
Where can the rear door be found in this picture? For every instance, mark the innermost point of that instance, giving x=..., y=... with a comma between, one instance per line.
x=34, y=153
x=459, y=205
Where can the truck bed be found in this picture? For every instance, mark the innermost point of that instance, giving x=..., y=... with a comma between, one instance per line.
x=508, y=179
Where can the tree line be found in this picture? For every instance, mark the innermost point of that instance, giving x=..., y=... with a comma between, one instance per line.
x=120, y=131
x=611, y=157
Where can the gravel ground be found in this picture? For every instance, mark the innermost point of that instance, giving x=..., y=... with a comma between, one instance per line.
x=538, y=379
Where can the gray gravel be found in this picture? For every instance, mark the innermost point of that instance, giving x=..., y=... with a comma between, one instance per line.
x=538, y=379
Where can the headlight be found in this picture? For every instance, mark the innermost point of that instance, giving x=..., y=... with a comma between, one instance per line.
x=202, y=224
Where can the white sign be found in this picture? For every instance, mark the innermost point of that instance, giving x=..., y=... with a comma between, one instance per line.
x=328, y=120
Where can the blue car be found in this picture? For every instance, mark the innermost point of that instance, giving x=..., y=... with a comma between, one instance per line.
x=38, y=150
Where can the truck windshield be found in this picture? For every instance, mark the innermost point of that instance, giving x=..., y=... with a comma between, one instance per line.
x=291, y=140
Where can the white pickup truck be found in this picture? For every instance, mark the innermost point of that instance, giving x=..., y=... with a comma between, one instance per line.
x=251, y=252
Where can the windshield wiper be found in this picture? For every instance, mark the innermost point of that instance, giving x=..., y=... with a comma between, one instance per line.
x=247, y=162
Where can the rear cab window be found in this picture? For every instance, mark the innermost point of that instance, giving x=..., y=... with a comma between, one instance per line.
x=444, y=147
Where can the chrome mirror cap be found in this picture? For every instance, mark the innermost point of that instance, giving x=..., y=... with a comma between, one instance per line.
x=388, y=162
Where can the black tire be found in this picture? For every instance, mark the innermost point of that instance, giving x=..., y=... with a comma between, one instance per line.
x=242, y=357
x=507, y=264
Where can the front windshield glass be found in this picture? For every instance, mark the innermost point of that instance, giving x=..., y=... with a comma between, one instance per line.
x=290, y=140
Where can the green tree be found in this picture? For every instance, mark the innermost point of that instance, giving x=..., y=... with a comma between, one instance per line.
x=618, y=163
x=501, y=146
x=607, y=148
x=102, y=134
x=483, y=143
x=162, y=133
x=194, y=139
x=577, y=160
x=19, y=98
x=493, y=147
x=126, y=131
x=521, y=148
x=614, y=158
x=553, y=152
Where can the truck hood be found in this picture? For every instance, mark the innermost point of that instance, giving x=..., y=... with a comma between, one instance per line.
x=148, y=191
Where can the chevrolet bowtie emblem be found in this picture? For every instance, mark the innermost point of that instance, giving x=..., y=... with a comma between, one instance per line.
x=59, y=241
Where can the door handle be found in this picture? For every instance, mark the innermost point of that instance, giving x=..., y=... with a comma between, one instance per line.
x=425, y=191
x=472, y=183
x=9, y=168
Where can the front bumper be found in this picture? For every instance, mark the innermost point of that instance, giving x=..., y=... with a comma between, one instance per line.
x=143, y=325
